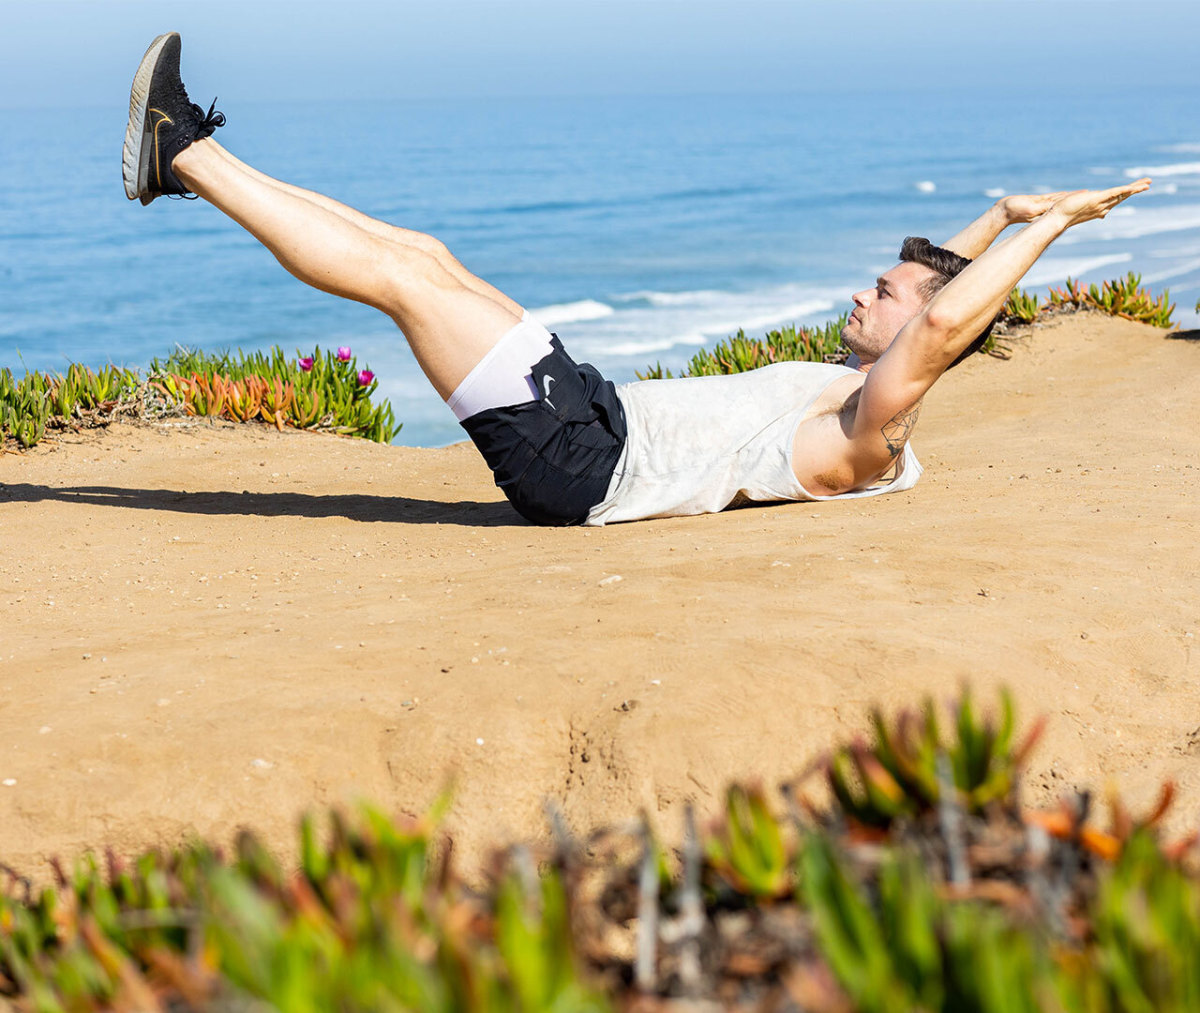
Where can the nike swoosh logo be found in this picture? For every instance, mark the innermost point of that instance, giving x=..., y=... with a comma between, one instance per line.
x=546, y=381
x=162, y=118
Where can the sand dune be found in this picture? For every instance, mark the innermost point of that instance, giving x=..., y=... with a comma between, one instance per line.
x=203, y=627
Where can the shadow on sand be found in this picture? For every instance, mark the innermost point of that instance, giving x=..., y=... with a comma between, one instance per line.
x=393, y=509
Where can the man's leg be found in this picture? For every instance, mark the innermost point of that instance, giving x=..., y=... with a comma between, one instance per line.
x=385, y=230
x=451, y=318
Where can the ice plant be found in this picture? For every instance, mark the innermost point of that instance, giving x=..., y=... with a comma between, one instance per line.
x=365, y=377
x=276, y=388
x=343, y=353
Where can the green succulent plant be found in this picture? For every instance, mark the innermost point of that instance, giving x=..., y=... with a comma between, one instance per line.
x=740, y=353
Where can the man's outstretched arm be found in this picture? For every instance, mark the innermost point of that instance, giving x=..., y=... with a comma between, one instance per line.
x=955, y=317
x=1011, y=210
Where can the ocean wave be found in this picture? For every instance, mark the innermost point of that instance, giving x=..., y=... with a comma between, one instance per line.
x=925, y=186
x=1176, y=169
x=654, y=321
x=674, y=298
x=715, y=330
x=1050, y=270
x=1187, y=267
x=1146, y=222
x=1183, y=148
x=623, y=348
x=995, y=191
x=572, y=312
x=1161, y=190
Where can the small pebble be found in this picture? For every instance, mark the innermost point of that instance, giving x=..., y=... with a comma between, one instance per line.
x=9, y=782
x=478, y=742
x=615, y=578
x=261, y=764
x=44, y=730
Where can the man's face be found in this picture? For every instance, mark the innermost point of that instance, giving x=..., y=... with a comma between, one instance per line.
x=880, y=312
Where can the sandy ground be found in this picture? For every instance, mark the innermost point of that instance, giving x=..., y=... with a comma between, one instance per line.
x=205, y=627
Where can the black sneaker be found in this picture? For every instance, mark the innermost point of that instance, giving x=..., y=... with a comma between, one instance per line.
x=162, y=122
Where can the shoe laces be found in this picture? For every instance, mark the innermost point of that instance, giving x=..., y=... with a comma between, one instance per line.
x=208, y=121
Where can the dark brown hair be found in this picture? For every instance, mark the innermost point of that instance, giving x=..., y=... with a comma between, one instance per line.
x=945, y=264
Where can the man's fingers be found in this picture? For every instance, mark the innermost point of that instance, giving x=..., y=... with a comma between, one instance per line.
x=1137, y=186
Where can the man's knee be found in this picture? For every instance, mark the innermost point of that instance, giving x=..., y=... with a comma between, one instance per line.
x=423, y=243
x=405, y=273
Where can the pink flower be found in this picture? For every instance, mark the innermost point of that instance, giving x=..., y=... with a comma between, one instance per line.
x=306, y=363
x=365, y=377
x=343, y=353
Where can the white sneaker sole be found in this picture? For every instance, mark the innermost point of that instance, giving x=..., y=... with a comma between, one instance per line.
x=135, y=158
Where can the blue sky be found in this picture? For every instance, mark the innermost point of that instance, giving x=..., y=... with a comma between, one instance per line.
x=62, y=52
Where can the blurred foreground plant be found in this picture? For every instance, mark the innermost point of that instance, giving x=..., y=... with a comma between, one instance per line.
x=931, y=892
x=911, y=766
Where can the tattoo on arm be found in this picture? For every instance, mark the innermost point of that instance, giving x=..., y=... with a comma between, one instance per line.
x=898, y=429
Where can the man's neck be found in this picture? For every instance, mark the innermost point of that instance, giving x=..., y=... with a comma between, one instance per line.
x=854, y=362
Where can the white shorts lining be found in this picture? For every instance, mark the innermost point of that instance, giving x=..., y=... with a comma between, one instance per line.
x=505, y=375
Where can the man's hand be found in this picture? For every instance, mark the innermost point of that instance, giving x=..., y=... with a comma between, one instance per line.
x=1016, y=209
x=1025, y=207
x=1012, y=210
x=1085, y=205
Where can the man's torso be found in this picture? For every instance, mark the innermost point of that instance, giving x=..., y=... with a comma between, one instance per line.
x=695, y=445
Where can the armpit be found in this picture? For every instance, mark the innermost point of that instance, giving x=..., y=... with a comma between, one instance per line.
x=833, y=481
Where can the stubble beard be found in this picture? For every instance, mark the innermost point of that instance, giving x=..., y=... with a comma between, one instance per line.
x=861, y=344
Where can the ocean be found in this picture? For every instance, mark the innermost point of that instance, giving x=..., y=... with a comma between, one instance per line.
x=639, y=229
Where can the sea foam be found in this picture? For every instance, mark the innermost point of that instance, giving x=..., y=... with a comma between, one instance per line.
x=1174, y=271
x=1177, y=169
x=571, y=312
x=656, y=321
x=1146, y=222
x=1050, y=270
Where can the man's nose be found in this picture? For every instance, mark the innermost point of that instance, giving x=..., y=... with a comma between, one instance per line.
x=861, y=298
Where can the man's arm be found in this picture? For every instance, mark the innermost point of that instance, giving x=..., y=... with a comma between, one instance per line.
x=1010, y=210
x=873, y=435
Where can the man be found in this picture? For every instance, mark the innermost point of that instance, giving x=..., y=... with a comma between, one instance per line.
x=565, y=445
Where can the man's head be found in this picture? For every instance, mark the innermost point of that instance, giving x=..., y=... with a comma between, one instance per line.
x=899, y=295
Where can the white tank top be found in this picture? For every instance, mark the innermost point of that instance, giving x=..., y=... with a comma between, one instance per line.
x=698, y=443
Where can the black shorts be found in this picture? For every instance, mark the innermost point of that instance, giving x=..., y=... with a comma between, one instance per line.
x=554, y=458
